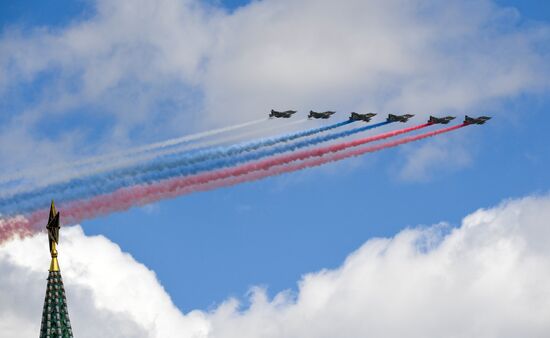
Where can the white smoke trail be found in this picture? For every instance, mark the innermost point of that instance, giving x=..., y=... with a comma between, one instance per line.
x=247, y=135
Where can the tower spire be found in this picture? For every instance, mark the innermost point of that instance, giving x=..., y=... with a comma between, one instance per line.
x=53, y=236
x=55, y=315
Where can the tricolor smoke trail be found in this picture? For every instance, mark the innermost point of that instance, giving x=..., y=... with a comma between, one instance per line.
x=185, y=143
x=294, y=157
x=125, y=198
x=41, y=179
x=143, y=149
x=165, y=170
x=95, y=169
x=142, y=195
x=187, y=163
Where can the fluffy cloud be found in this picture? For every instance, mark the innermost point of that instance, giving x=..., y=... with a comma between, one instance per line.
x=109, y=293
x=370, y=55
x=487, y=278
x=132, y=71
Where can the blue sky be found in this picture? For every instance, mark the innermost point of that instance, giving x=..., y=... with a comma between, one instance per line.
x=208, y=246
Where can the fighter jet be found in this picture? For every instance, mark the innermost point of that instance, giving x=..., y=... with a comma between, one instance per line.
x=399, y=118
x=320, y=115
x=282, y=114
x=361, y=117
x=440, y=120
x=478, y=120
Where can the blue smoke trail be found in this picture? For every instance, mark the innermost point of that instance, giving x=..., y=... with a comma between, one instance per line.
x=93, y=185
x=175, y=169
x=18, y=177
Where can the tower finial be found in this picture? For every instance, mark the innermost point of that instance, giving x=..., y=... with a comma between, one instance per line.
x=55, y=316
x=53, y=236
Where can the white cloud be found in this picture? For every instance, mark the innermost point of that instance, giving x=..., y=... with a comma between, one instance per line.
x=487, y=278
x=373, y=55
x=154, y=69
x=132, y=64
x=109, y=293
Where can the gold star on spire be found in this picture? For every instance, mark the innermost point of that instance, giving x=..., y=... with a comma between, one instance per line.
x=53, y=236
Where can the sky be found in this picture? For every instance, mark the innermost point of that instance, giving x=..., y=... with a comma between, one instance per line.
x=79, y=78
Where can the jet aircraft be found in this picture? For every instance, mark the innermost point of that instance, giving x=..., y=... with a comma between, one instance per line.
x=361, y=117
x=476, y=120
x=320, y=115
x=282, y=114
x=440, y=120
x=399, y=118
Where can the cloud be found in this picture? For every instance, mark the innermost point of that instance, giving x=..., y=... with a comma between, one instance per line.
x=122, y=74
x=487, y=278
x=134, y=71
x=108, y=292
x=370, y=55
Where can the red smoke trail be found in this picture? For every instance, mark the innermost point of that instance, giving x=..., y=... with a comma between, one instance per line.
x=172, y=189
x=314, y=162
x=140, y=195
x=21, y=226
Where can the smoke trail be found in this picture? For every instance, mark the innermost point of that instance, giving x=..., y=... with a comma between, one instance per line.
x=241, y=136
x=140, y=195
x=168, y=170
x=126, y=198
x=164, y=171
x=73, y=173
x=178, y=150
x=103, y=183
x=143, y=195
x=184, y=147
x=138, y=150
x=286, y=159
x=19, y=226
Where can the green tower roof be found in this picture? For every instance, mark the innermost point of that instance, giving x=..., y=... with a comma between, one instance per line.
x=55, y=315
